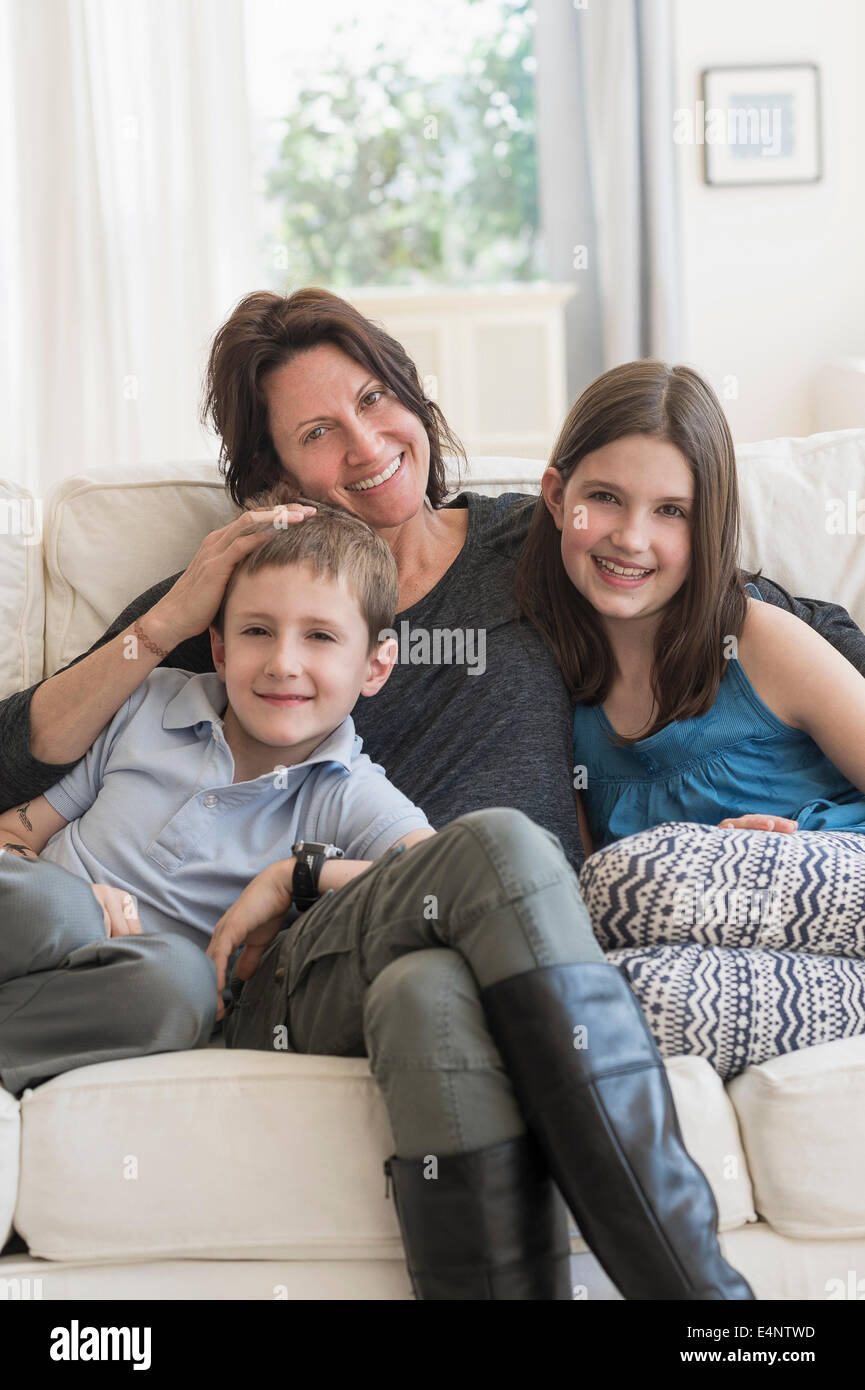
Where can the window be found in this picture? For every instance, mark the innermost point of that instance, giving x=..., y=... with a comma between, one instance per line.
x=395, y=143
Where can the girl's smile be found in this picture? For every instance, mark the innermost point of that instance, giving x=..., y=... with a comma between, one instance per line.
x=619, y=575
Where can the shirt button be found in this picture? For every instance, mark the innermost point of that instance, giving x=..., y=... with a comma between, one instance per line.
x=279, y=974
x=211, y=800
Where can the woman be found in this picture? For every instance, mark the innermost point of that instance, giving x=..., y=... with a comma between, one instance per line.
x=304, y=386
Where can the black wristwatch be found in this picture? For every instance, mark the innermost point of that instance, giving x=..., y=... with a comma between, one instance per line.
x=311, y=856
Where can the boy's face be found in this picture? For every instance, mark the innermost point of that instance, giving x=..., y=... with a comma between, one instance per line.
x=293, y=658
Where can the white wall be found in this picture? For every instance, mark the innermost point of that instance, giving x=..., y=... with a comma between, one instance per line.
x=775, y=276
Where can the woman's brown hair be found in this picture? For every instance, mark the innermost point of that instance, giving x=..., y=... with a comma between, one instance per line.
x=267, y=330
x=671, y=403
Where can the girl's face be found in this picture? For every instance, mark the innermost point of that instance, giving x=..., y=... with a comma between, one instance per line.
x=627, y=506
x=345, y=438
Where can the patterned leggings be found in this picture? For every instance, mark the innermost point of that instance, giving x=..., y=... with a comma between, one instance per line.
x=739, y=944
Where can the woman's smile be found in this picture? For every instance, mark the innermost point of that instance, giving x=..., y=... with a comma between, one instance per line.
x=379, y=480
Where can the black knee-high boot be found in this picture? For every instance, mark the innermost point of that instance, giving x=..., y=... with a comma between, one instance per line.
x=489, y=1224
x=592, y=1087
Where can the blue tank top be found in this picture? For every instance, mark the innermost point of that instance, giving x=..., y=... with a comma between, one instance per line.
x=736, y=759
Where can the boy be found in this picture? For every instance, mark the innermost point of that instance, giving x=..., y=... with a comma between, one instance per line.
x=199, y=784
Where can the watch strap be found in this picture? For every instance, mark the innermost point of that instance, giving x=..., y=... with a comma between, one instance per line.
x=304, y=880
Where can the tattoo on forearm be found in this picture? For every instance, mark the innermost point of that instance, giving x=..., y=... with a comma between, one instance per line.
x=22, y=816
x=20, y=850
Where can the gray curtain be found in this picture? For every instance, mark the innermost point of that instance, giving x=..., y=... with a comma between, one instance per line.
x=605, y=103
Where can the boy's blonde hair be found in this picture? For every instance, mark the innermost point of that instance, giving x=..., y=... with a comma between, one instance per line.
x=334, y=543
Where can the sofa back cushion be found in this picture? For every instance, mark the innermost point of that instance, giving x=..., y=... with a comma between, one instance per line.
x=800, y=519
x=110, y=537
x=802, y=1120
x=22, y=600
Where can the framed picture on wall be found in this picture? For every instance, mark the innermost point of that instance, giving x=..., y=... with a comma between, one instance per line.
x=761, y=124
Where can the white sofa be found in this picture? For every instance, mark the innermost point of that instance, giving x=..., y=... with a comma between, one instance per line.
x=243, y=1175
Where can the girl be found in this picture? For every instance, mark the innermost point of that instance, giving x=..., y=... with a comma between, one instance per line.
x=704, y=718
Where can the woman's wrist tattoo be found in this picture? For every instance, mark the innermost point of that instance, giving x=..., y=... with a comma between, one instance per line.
x=22, y=816
x=23, y=851
x=146, y=642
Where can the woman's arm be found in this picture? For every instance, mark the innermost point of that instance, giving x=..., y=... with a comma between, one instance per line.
x=68, y=710
x=29, y=827
x=808, y=684
x=29, y=764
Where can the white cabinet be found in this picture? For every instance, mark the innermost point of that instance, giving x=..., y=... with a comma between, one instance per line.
x=493, y=359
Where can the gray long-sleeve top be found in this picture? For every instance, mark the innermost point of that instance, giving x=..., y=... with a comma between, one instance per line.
x=474, y=714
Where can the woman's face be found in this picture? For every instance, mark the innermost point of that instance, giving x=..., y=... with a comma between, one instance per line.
x=344, y=438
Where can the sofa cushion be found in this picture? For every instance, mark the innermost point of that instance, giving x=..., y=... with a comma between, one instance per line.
x=711, y=1134
x=802, y=1119
x=799, y=515
x=209, y=1153
x=248, y=1155
x=10, y=1147
x=108, y=537
x=198, y=1281
x=22, y=601
x=801, y=1270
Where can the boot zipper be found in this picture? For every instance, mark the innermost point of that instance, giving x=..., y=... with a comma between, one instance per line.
x=389, y=1177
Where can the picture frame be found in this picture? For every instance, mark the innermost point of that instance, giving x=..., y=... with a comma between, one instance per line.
x=760, y=124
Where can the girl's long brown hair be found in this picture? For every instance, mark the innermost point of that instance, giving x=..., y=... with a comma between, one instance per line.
x=673, y=404
x=266, y=330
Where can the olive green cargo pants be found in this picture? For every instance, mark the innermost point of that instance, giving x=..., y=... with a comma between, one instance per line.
x=390, y=967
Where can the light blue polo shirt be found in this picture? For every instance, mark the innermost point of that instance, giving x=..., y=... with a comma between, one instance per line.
x=153, y=808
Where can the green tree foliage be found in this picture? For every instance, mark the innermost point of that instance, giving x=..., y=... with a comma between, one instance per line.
x=386, y=179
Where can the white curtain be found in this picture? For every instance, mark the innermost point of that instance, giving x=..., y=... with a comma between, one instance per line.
x=127, y=226
x=628, y=79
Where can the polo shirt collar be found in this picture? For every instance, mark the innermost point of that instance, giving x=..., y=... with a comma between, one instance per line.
x=204, y=699
x=201, y=699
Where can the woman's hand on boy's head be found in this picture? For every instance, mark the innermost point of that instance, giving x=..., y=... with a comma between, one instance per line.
x=195, y=598
x=780, y=824
x=251, y=922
